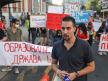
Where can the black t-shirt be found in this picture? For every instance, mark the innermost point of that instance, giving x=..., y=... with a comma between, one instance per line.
x=74, y=59
x=2, y=34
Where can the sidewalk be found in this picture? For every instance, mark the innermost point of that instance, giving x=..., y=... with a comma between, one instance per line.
x=2, y=74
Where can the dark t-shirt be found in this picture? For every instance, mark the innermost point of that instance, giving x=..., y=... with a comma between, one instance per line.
x=2, y=34
x=73, y=59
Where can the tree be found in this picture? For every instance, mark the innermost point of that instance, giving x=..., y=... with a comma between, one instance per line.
x=93, y=5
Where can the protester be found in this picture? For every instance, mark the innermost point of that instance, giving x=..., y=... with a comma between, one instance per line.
x=23, y=18
x=43, y=38
x=58, y=36
x=45, y=42
x=33, y=32
x=100, y=31
x=2, y=24
x=3, y=36
x=73, y=54
x=14, y=34
x=82, y=32
x=90, y=31
x=106, y=25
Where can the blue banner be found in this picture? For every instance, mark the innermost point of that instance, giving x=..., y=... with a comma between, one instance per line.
x=81, y=16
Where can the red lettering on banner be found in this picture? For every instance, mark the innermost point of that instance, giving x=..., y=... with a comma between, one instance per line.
x=39, y=58
x=19, y=47
x=16, y=45
x=41, y=49
x=105, y=37
x=23, y=47
x=15, y=61
x=6, y=47
x=107, y=46
x=32, y=48
x=104, y=46
x=45, y=49
x=19, y=59
x=12, y=47
x=28, y=47
x=37, y=49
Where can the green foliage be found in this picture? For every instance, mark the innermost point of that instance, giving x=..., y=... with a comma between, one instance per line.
x=93, y=5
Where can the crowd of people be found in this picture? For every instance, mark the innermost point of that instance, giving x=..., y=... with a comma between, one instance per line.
x=71, y=44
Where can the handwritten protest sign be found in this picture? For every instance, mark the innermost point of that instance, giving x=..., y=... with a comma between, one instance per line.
x=103, y=45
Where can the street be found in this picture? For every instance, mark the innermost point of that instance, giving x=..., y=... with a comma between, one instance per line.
x=35, y=73
x=42, y=23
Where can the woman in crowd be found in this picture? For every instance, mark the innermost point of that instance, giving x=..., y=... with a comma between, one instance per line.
x=82, y=32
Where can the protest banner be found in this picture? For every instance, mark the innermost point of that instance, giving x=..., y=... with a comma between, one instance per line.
x=80, y=16
x=72, y=6
x=37, y=21
x=103, y=45
x=24, y=54
x=54, y=21
x=55, y=9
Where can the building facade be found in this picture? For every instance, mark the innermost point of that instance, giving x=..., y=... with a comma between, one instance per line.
x=32, y=6
x=19, y=7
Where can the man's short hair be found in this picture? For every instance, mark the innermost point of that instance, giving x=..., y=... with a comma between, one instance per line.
x=69, y=18
x=14, y=20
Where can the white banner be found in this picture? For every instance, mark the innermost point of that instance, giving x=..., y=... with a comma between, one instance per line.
x=103, y=45
x=55, y=9
x=96, y=25
x=37, y=21
x=24, y=54
x=73, y=6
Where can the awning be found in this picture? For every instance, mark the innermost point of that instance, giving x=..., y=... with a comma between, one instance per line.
x=5, y=2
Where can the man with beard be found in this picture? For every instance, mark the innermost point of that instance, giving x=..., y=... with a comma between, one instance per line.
x=14, y=34
x=73, y=55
